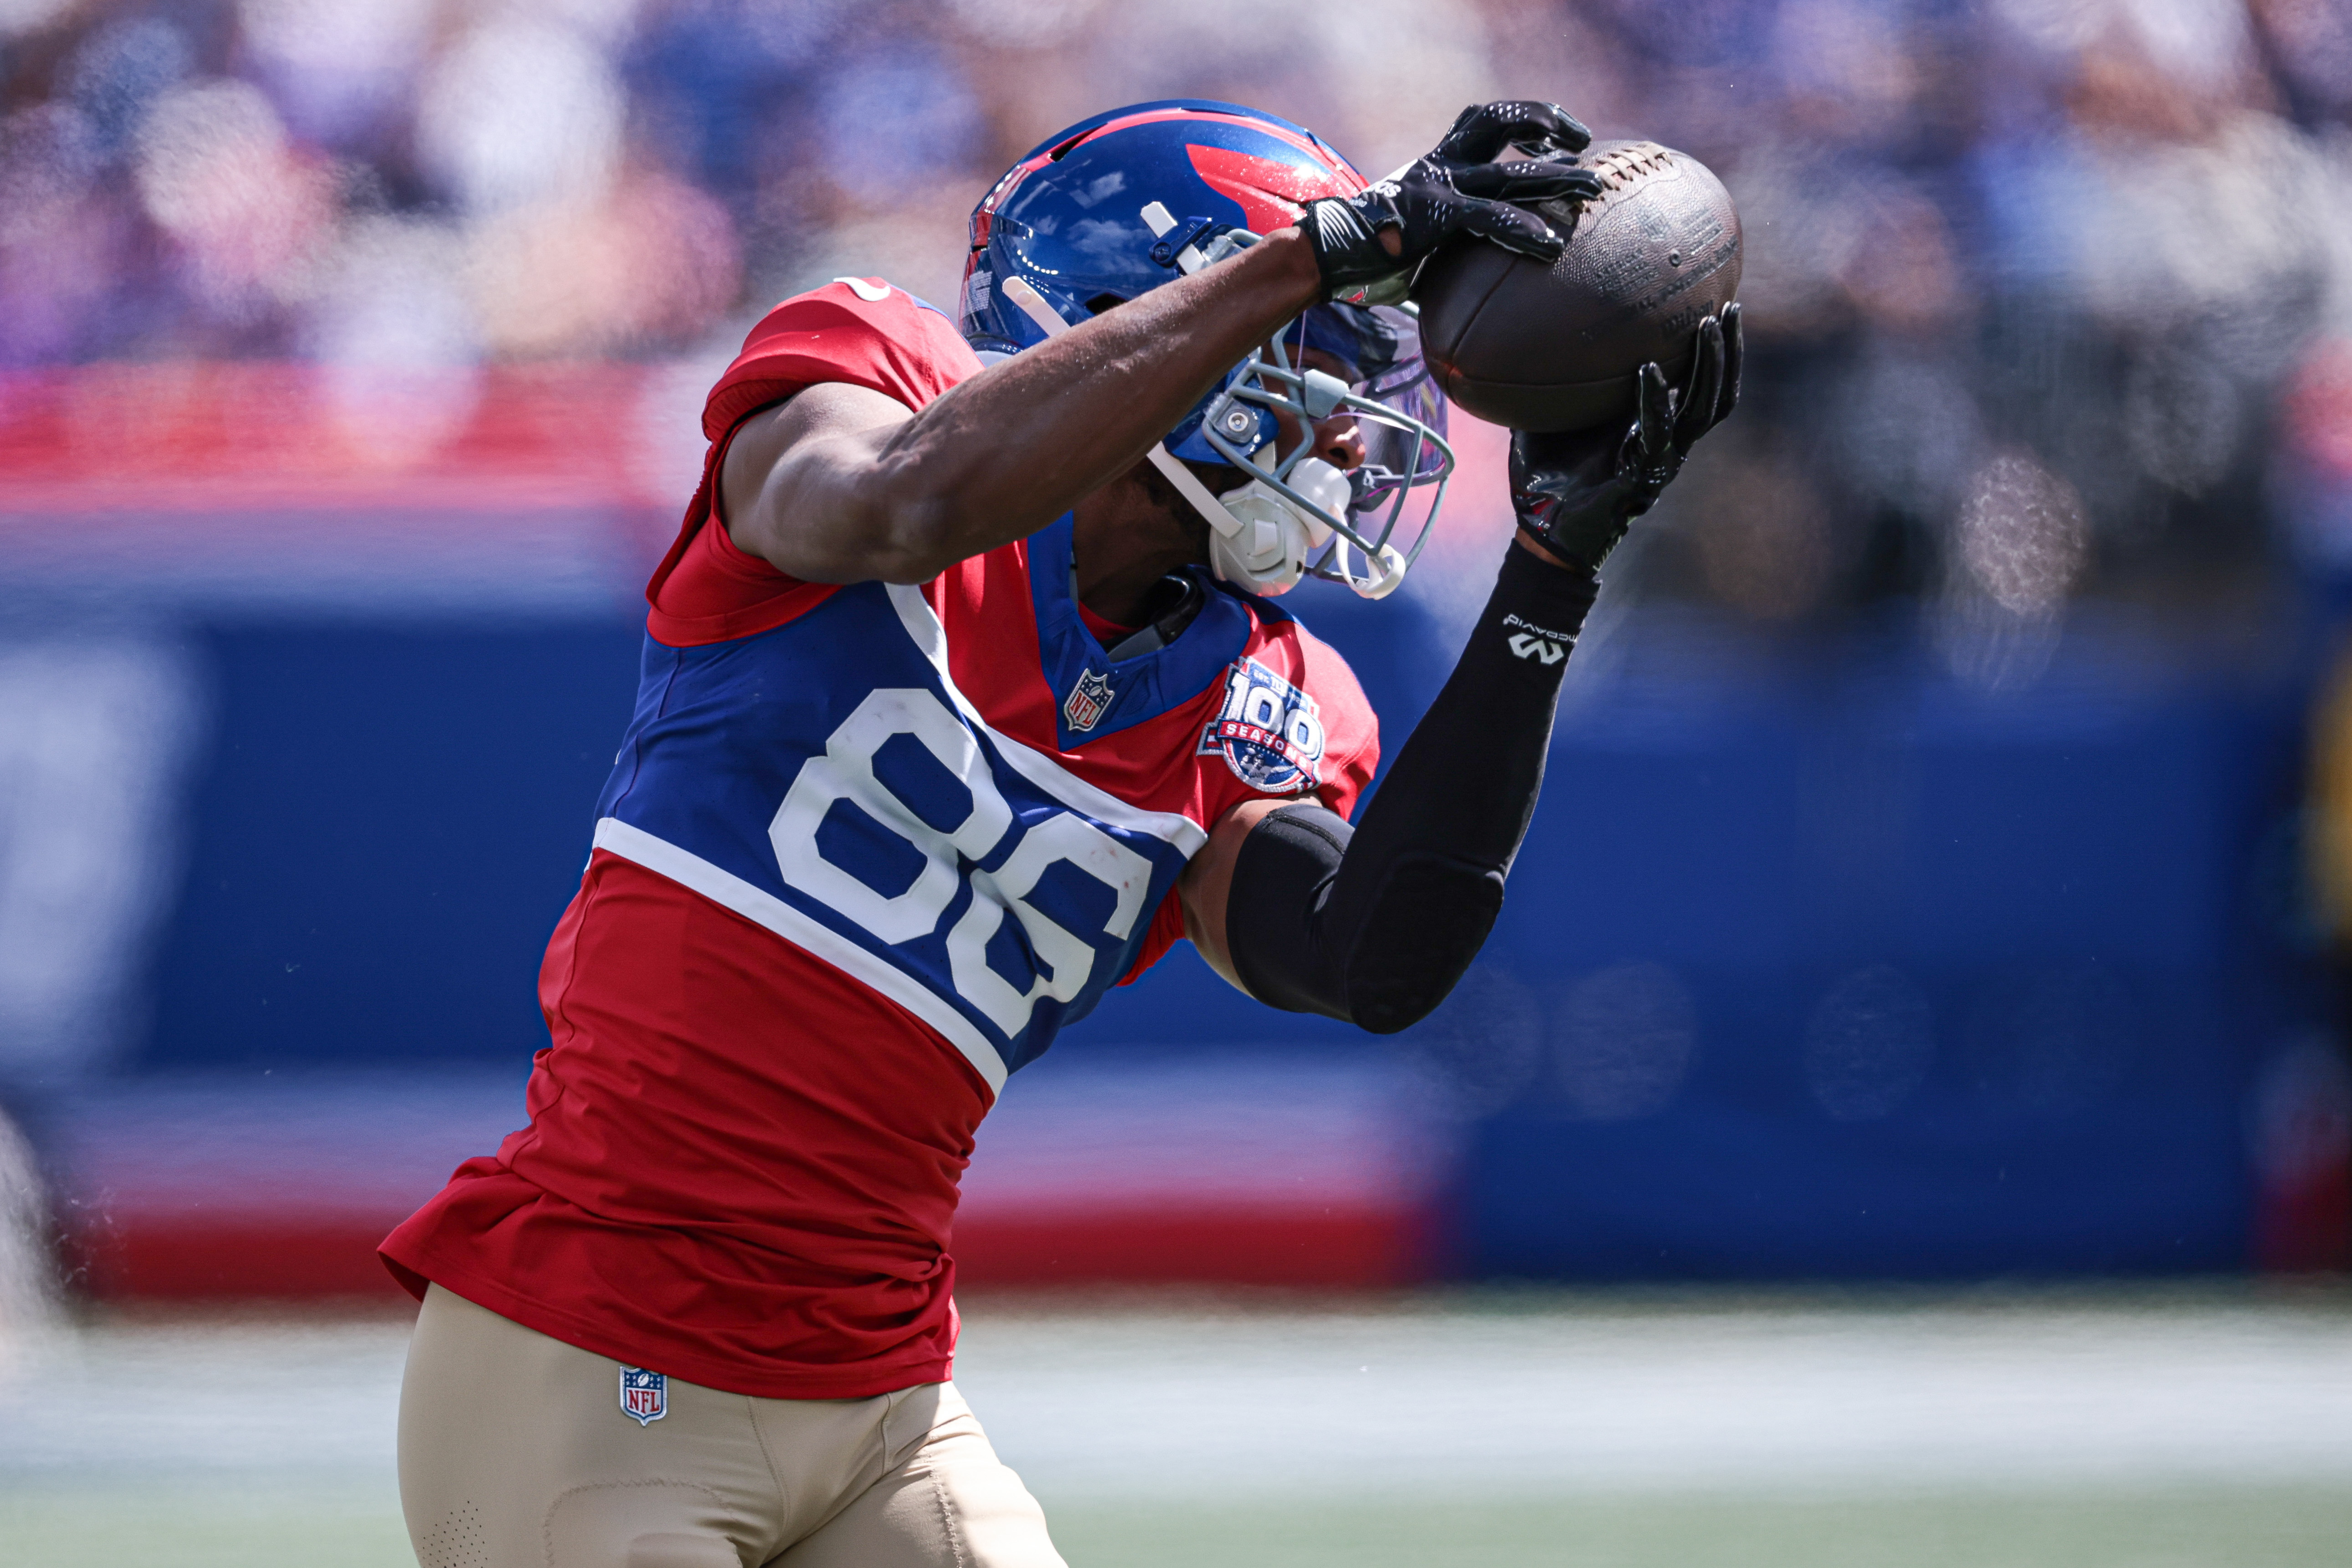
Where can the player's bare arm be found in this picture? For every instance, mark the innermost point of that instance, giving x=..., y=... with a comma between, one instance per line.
x=841, y=485
x=1208, y=884
x=855, y=489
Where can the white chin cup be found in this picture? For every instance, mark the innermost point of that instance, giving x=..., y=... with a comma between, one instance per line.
x=1382, y=571
x=1266, y=549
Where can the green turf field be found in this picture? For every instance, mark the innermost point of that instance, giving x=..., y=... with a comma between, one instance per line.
x=2250, y=1528
x=2133, y=1430
x=2242, y=1527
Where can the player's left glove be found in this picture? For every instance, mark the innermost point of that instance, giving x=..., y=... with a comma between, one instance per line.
x=1457, y=189
x=1577, y=491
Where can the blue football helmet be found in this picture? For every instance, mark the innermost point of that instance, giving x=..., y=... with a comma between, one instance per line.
x=1119, y=205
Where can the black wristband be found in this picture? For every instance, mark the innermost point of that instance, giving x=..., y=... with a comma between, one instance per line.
x=1347, y=244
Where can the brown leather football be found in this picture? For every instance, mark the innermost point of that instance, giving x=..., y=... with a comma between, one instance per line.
x=1537, y=347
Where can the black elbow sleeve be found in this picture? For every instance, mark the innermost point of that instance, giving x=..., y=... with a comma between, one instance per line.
x=1383, y=960
x=1427, y=919
x=1276, y=916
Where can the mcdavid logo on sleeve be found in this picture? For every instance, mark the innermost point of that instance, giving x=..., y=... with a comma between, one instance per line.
x=1539, y=643
x=645, y=1396
x=1268, y=729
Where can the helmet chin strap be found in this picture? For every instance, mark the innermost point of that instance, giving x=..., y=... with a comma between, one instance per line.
x=1230, y=554
x=1266, y=551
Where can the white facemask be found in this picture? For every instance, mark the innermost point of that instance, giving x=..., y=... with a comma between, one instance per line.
x=1260, y=539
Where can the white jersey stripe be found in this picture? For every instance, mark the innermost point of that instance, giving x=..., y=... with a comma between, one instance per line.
x=728, y=891
x=923, y=626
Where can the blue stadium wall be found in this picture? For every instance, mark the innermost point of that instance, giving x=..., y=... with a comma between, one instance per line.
x=1819, y=962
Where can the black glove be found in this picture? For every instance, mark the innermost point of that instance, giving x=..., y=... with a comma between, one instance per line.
x=1579, y=491
x=1457, y=189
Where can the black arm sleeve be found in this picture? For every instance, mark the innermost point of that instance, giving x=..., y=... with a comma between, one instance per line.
x=1375, y=923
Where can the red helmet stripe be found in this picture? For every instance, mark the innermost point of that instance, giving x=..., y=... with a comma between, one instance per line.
x=1273, y=195
x=1343, y=173
x=1323, y=155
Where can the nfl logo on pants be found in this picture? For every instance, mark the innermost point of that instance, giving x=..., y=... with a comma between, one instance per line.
x=645, y=1396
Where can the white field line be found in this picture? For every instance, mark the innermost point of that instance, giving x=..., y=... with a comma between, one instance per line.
x=1399, y=1402
x=1424, y=1403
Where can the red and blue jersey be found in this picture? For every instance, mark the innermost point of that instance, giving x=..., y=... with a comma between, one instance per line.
x=863, y=852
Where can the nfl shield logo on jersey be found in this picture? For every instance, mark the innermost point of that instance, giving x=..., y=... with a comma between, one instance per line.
x=1268, y=729
x=1089, y=699
x=645, y=1396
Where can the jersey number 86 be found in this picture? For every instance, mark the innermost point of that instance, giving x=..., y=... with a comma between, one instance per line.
x=952, y=852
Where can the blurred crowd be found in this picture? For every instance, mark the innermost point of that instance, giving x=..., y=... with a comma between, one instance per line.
x=2048, y=297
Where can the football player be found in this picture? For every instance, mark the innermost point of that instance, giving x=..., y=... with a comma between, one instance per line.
x=968, y=689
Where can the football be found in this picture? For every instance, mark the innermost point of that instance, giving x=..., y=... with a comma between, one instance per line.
x=1537, y=347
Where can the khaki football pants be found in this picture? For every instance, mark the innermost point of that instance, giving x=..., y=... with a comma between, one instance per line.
x=514, y=1453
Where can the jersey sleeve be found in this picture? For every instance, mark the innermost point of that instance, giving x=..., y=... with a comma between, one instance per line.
x=1352, y=730
x=1167, y=925
x=1351, y=754
x=862, y=331
x=857, y=332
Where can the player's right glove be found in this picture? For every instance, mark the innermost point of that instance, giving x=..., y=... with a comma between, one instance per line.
x=1577, y=491
x=1457, y=189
